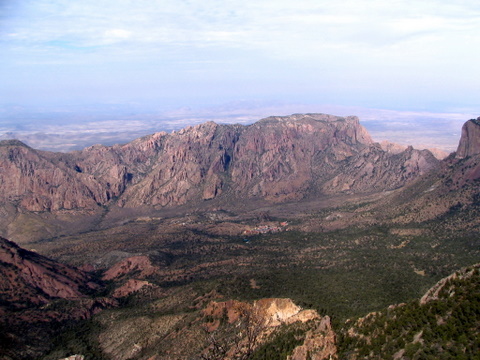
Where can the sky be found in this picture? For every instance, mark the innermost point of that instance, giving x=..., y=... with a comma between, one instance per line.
x=111, y=59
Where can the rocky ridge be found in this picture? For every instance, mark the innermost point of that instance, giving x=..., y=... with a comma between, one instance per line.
x=450, y=188
x=29, y=278
x=442, y=324
x=38, y=295
x=275, y=160
x=433, y=293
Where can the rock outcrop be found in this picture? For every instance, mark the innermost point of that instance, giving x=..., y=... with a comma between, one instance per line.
x=278, y=311
x=140, y=266
x=262, y=317
x=131, y=286
x=469, y=144
x=433, y=293
x=319, y=343
x=270, y=312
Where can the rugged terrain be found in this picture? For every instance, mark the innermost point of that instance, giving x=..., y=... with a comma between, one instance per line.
x=180, y=235
x=38, y=296
x=29, y=278
x=152, y=321
x=444, y=324
x=275, y=160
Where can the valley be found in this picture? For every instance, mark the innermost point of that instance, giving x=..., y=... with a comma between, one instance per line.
x=167, y=225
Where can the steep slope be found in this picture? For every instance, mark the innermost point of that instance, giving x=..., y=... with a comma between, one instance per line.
x=449, y=193
x=30, y=279
x=444, y=324
x=32, y=181
x=37, y=297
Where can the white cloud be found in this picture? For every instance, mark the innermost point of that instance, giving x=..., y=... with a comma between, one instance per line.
x=112, y=36
x=347, y=46
x=252, y=24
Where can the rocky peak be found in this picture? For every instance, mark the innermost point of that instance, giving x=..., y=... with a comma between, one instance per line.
x=346, y=128
x=470, y=140
x=13, y=142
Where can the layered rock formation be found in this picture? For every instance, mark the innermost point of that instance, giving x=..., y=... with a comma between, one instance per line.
x=276, y=159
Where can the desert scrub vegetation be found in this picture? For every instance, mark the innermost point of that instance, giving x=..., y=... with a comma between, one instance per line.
x=282, y=342
x=443, y=328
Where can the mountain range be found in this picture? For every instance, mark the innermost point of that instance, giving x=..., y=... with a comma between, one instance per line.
x=276, y=160
x=313, y=240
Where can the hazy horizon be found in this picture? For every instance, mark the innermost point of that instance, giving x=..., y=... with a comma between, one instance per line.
x=108, y=70
x=75, y=129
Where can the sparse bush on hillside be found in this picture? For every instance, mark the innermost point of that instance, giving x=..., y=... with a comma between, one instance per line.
x=445, y=328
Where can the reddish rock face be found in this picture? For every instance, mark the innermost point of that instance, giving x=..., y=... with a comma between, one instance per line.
x=37, y=184
x=470, y=141
x=276, y=159
x=141, y=265
x=27, y=278
x=130, y=287
x=319, y=343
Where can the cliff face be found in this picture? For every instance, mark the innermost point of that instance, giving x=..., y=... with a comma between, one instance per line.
x=277, y=159
x=36, y=183
x=470, y=140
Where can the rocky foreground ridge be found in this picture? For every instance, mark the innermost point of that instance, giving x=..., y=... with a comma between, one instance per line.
x=29, y=278
x=276, y=159
x=444, y=322
x=37, y=295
